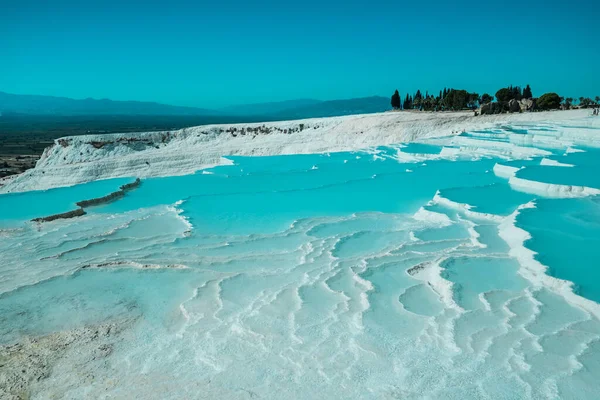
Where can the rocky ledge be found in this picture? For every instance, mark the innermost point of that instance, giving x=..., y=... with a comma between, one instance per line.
x=512, y=106
x=110, y=197
x=91, y=202
x=69, y=214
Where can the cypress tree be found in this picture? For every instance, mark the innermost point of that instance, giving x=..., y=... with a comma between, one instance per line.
x=396, y=100
x=517, y=93
x=527, y=92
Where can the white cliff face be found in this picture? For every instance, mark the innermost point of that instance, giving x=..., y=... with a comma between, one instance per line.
x=79, y=159
x=551, y=190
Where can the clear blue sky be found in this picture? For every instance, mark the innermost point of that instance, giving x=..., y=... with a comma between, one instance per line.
x=215, y=53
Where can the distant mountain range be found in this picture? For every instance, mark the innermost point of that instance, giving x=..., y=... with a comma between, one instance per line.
x=63, y=106
x=332, y=108
x=268, y=108
x=292, y=109
x=310, y=108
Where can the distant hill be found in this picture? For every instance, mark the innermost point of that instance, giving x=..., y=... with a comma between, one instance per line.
x=309, y=108
x=268, y=108
x=63, y=106
x=332, y=108
x=24, y=105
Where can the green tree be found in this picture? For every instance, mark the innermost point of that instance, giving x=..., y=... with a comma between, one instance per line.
x=585, y=102
x=417, y=102
x=407, y=102
x=517, y=94
x=505, y=94
x=435, y=103
x=456, y=99
x=426, y=103
x=568, y=103
x=429, y=103
x=527, y=92
x=396, y=100
x=549, y=101
x=485, y=98
x=473, y=99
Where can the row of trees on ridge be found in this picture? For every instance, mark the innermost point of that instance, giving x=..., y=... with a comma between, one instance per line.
x=458, y=99
x=448, y=99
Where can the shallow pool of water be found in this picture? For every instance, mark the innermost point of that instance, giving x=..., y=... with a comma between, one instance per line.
x=355, y=275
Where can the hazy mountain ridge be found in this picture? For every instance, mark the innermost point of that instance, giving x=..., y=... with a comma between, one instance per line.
x=268, y=108
x=50, y=105
x=332, y=108
x=290, y=109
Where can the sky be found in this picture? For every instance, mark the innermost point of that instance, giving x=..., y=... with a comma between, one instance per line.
x=213, y=54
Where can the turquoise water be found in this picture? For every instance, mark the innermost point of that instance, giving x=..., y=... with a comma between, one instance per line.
x=421, y=148
x=566, y=235
x=23, y=206
x=505, y=200
x=578, y=175
x=346, y=275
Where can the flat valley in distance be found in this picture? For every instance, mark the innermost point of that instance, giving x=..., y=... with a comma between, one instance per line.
x=29, y=124
x=23, y=138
